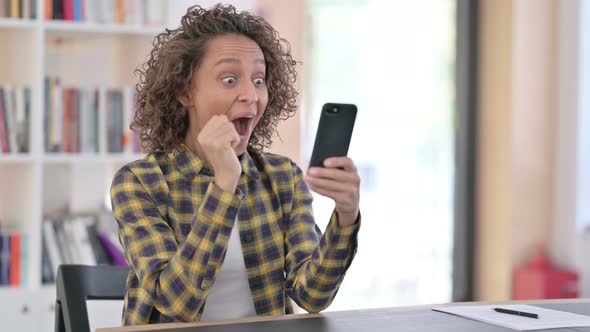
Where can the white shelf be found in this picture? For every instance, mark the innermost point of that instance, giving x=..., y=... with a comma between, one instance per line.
x=80, y=28
x=71, y=158
x=48, y=287
x=77, y=28
x=11, y=288
x=15, y=158
x=37, y=182
x=13, y=23
x=74, y=158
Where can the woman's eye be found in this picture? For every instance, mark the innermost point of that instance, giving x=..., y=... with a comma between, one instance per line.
x=259, y=81
x=229, y=80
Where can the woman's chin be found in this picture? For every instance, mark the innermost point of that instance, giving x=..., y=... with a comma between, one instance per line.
x=244, y=141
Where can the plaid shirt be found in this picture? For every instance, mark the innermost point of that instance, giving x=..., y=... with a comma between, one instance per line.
x=174, y=225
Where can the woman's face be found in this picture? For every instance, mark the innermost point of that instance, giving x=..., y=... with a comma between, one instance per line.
x=230, y=80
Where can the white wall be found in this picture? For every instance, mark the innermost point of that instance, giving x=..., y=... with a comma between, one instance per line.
x=179, y=7
x=571, y=240
x=516, y=139
x=583, y=211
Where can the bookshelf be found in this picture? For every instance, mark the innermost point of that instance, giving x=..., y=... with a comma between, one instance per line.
x=21, y=23
x=38, y=183
x=77, y=28
x=83, y=54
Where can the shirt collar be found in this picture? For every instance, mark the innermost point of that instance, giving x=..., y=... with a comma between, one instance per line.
x=190, y=165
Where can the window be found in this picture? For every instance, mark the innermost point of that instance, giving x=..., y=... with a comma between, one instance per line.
x=396, y=61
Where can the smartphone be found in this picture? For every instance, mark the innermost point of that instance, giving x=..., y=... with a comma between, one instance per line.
x=334, y=132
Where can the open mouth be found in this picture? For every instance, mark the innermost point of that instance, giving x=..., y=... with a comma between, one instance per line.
x=242, y=124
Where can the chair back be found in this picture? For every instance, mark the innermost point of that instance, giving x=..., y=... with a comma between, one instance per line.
x=75, y=284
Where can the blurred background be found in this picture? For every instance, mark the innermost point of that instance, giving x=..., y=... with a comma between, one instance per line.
x=472, y=140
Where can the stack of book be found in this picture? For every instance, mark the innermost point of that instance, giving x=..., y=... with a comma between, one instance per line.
x=15, y=115
x=18, y=9
x=77, y=240
x=12, y=258
x=72, y=119
x=120, y=105
x=129, y=12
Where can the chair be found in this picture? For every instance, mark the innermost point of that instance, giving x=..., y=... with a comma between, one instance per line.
x=77, y=283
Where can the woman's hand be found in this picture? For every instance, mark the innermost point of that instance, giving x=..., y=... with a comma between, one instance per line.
x=338, y=180
x=217, y=139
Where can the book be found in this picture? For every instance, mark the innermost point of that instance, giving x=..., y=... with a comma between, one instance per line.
x=113, y=248
x=68, y=9
x=76, y=239
x=48, y=9
x=75, y=120
x=21, y=121
x=119, y=12
x=9, y=123
x=68, y=246
x=2, y=263
x=33, y=7
x=85, y=123
x=47, y=113
x=106, y=12
x=57, y=117
x=14, y=279
x=58, y=10
x=78, y=11
x=26, y=8
x=24, y=136
x=4, y=147
x=4, y=259
x=3, y=9
x=46, y=266
x=51, y=246
x=81, y=239
x=71, y=119
x=126, y=133
x=100, y=253
x=14, y=9
x=88, y=121
x=24, y=259
x=12, y=258
x=66, y=138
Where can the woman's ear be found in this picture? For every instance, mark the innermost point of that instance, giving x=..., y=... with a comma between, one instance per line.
x=184, y=99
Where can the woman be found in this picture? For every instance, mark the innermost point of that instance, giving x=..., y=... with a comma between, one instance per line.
x=212, y=226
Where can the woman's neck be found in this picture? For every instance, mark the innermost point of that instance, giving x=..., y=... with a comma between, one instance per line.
x=192, y=145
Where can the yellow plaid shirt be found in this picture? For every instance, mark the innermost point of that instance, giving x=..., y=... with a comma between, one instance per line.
x=174, y=225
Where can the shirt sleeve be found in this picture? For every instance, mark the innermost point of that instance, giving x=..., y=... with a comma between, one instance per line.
x=315, y=263
x=176, y=276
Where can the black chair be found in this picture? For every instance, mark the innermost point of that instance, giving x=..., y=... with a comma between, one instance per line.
x=77, y=283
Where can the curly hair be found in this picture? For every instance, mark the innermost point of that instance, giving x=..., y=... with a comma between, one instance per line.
x=162, y=121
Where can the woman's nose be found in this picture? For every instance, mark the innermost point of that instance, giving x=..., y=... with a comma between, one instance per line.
x=248, y=93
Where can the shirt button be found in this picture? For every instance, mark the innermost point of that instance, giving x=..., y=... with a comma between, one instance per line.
x=248, y=238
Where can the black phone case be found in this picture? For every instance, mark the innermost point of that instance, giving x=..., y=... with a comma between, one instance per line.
x=334, y=132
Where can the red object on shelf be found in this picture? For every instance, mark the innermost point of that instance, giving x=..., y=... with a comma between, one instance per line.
x=540, y=280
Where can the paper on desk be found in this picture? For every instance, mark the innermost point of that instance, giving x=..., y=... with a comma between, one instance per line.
x=548, y=319
x=104, y=313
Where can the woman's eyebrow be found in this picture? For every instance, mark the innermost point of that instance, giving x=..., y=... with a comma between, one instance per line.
x=238, y=61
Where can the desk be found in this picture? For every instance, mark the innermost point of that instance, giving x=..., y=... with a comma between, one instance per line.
x=419, y=318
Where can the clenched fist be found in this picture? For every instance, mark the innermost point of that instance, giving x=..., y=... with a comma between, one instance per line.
x=217, y=140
